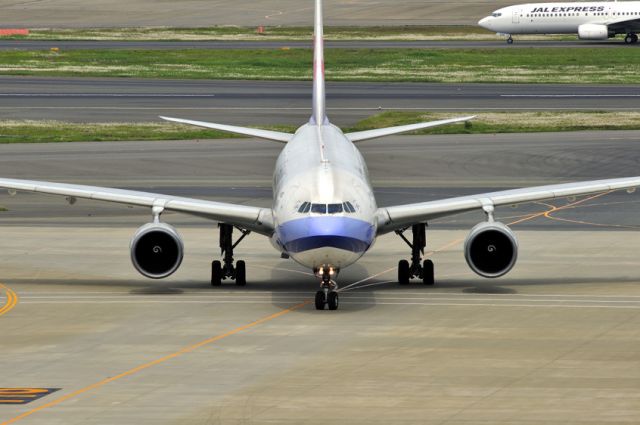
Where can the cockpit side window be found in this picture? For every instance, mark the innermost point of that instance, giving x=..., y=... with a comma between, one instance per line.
x=305, y=207
x=348, y=207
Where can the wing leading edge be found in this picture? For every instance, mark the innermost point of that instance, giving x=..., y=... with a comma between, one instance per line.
x=256, y=219
x=397, y=217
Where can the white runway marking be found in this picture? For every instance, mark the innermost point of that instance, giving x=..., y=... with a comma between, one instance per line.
x=569, y=95
x=100, y=95
x=260, y=108
x=355, y=298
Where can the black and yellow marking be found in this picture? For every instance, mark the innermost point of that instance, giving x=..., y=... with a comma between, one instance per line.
x=23, y=395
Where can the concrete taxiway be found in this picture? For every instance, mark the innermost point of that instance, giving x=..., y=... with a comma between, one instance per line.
x=198, y=13
x=269, y=102
x=556, y=341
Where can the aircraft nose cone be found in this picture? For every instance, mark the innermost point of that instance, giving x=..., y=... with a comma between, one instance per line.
x=484, y=22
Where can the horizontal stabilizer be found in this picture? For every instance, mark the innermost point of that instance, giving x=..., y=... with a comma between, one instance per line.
x=245, y=131
x=381, y=132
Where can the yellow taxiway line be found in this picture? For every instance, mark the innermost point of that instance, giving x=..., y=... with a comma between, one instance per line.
x=12, y=299
x=147, y=365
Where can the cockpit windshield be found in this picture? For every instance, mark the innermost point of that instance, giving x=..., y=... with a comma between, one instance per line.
x=319, y=208
x=496, y=14
x=337, y=208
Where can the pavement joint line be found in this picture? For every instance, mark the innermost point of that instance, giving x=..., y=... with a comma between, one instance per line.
x=350, y=286
x=185, y=350
x=11, y=299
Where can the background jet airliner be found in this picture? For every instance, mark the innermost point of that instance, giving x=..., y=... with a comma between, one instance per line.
x=324, y=214
x=591, y=21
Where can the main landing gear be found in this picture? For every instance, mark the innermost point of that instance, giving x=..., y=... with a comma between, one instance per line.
x=631, y=38
x=408, y=271
x=226, y=269
x=328, y=293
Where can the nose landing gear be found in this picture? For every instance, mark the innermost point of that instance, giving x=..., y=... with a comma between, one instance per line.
x=424, y=271
x=226, y=269
x=327, y=295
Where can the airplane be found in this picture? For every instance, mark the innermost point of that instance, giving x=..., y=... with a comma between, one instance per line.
x=324, y=213
x=591, y=21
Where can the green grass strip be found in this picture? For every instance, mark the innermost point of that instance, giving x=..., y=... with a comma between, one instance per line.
x=540, y=65
x=491, y=122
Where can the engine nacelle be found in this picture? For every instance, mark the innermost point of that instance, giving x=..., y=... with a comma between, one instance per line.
x=491, y=249
x=156, y=250
x=593, y=32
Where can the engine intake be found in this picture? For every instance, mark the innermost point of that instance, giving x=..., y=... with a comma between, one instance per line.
x=491, y=249
x=593, y=32
x=156, y=250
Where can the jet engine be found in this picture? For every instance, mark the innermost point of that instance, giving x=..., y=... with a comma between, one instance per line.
x=491, y=249
x=156, y=250
x=593, y=32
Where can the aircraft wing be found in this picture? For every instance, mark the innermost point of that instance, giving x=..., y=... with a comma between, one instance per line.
x=256, y=219
x=626, y=22
x=397, y=217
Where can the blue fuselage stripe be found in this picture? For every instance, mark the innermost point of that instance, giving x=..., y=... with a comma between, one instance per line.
x=326, y=231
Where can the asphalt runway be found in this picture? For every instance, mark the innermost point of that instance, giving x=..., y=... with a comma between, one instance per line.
x=553, y=342
x=255, y=45
x=199, y=13
x=276, y=102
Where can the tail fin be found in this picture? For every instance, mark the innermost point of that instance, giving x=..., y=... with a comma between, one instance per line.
x=319, y=116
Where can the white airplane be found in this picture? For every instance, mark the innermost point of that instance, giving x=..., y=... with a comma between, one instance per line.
x=324, y=214
x=591, y=21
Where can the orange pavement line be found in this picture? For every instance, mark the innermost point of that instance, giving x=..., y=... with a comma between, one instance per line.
x=147, y=365
x=545, y=213
x=12, y=299
x=554, y=208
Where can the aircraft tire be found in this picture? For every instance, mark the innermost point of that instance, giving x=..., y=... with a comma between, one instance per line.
x=216, y=273
x=403, y=272
x=320, y=300
x=241, y=273
x=333, y=300
x=427, y=272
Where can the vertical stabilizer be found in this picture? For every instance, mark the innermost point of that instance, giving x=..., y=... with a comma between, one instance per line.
x=319, y=116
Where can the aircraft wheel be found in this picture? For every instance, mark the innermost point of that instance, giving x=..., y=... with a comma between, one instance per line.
x=509, y=40
x=628, y=39
x=241, y=273
x=216, y=273
x=427, y=272
x=634, y=38
x=320, y=300
x=403, y=272
x=332, y=300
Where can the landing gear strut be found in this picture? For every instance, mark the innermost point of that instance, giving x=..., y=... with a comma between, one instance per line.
x=327, y=295
x=226, y=269
x=631, y=38
x=408, y=271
